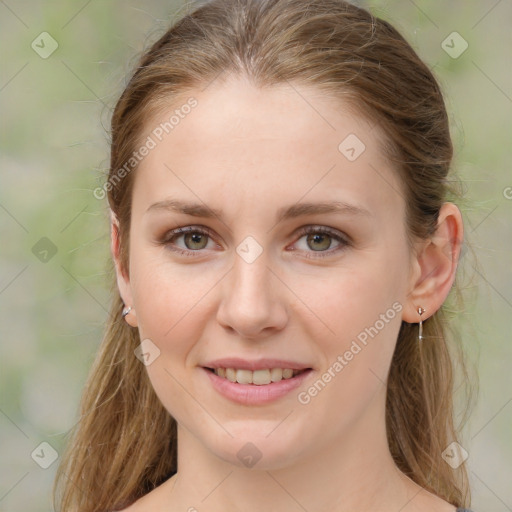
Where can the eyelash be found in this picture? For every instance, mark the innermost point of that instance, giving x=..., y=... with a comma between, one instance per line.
x=306, y=230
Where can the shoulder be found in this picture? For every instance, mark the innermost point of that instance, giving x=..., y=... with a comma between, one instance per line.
x=147, y=501
x=134, y=507
x=138, y=506
x=425, y=501
x=157, y=499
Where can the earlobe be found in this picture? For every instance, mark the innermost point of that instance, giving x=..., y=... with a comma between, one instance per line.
x=436, y=264
x=129, y=315
x=122, y=276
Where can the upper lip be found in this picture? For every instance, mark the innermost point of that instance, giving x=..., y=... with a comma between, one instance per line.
x=257, y=364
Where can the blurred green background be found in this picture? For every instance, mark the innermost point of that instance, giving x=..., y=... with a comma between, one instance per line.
x=54, y=234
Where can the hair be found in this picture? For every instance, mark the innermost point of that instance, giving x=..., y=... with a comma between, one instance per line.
x=124, y=443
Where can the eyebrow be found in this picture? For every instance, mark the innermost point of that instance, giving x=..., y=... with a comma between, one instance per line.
x=285, y=213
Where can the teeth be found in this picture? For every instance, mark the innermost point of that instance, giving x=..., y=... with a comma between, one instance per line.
x=258, y=377
x=244, y=376
x=276, y=374
x=287, y=373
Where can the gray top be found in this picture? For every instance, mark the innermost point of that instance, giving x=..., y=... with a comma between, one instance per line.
x=463, y=510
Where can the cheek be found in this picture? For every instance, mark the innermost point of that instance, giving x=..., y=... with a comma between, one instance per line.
x=362, y=310
x=366, y=319
x=167, y=295
x=171, y=303
x=354, y=299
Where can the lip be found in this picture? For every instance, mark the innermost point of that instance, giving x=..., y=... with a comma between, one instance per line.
x=257, y=364
x=251, y=394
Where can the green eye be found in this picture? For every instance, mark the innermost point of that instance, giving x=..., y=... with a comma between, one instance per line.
x=318, y=239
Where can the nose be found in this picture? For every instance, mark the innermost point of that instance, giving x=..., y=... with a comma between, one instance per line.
x=253, y=299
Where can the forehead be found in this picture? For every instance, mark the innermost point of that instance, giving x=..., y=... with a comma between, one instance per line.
x=243, y=143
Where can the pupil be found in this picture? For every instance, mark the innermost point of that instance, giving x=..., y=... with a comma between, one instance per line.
x=195, y=239
x=317, y=237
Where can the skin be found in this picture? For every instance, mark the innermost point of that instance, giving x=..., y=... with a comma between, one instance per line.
x=249, y=152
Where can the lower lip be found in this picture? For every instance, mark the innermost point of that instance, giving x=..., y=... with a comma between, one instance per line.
x=252, y=394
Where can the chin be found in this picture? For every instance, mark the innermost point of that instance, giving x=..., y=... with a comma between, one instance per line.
x=252, y=447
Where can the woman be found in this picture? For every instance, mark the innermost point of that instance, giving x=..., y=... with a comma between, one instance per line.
x=283, y=247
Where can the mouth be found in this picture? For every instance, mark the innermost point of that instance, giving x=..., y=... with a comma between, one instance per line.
x=258, y=387
x=262, y=377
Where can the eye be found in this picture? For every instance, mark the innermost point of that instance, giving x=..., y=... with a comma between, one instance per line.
x=194, y=239
x=319, y=239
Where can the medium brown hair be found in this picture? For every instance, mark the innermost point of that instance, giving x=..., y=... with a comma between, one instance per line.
x=124, y=443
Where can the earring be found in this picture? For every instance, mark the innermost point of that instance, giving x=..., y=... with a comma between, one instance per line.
x=126, y=311
x=420, y=333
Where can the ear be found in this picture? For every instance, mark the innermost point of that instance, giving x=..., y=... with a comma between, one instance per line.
x=435, y=265
x=123, y=279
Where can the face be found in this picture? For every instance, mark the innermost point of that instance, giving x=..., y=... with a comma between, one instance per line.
x=257, y=276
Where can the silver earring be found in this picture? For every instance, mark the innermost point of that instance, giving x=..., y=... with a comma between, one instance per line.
x=420, y=312
x=126, y=311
